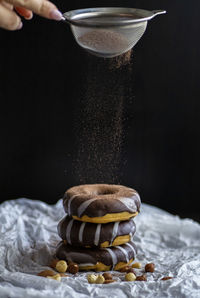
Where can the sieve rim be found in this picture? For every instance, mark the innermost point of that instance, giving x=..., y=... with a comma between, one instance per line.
x=79, y=17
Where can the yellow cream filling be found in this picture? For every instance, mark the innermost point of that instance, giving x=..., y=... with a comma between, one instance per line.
x=97, y=267
x=110, y=217
x=102, y=267
x=120, y=265
x=118, y=241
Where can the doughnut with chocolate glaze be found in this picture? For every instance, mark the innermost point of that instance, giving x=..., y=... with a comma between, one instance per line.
x=101, y=203
x=99, y=259
x=79, y=233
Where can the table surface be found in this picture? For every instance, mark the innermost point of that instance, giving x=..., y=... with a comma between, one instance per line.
x=28, y=238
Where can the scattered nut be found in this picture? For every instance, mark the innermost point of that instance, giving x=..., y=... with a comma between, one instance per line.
x=124, y=269
x=166, y=278
x=127, y=269
x=107, y=276
x=130, y=270
x=130, y=276
x=141, y=278
x=109, y=281
x=53, y=263
x=63, y=275
x=61, y=266
x=92, y=278
x=73, y=268
x=55, y=277
x=137, y=265
x=46, y=273
x=100, y=279
x=150, y=267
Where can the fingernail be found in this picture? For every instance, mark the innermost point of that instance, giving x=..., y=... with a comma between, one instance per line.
x=19, y=26
x=56, y=15
x=29, y=17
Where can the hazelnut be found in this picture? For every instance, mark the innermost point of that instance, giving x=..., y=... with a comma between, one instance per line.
x=166, y=278
x=130, y=270
x=61, y=266
x=63, y=275
x=137, y=265
x=141, y=278
x=46, y=273
x=130, y=276
x=92, y=278
x=109, y=281
x=55, y=277
x=127, y=269
x=100, y=279
x=150, y=267
x=124, y=269
x=73, y=268
x=53, y=263
x=107, y=276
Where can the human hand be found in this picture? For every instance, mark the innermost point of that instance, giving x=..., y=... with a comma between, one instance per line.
x=11, y=10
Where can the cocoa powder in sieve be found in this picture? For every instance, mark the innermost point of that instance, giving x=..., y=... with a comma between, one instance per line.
x=104, y=41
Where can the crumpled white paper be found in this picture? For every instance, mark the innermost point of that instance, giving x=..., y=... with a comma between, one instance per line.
x=28, y=236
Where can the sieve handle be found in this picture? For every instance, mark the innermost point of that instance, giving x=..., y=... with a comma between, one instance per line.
x=157, y=12
x=64, y=19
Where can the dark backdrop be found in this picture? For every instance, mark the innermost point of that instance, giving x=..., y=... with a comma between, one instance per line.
x=41, y=78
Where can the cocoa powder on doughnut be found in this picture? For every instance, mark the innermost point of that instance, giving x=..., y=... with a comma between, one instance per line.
x=97, y=200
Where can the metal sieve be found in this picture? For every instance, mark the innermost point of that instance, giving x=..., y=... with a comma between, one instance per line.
x=108, y=31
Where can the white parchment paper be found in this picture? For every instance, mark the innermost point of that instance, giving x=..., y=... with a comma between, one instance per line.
x=28, y=237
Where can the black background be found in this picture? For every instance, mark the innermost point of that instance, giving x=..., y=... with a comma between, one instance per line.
x=42, y=71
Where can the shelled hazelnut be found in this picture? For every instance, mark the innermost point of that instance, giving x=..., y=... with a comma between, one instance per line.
x=137, y=265
x=92, y=278
x=55, y=277
x=100, y=279
x=61, y=266
x=130, y=276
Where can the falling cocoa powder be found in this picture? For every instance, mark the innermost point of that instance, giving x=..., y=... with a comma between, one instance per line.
x=121, y=60
x=99, y=129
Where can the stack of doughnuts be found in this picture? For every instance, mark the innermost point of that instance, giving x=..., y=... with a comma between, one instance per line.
x=97, y=231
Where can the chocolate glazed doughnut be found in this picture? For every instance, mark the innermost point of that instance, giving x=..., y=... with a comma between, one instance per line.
x=84, y=234
x=99, y=259
x=101, y=203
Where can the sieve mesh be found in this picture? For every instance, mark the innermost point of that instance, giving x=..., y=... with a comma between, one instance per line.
x=109, y=42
